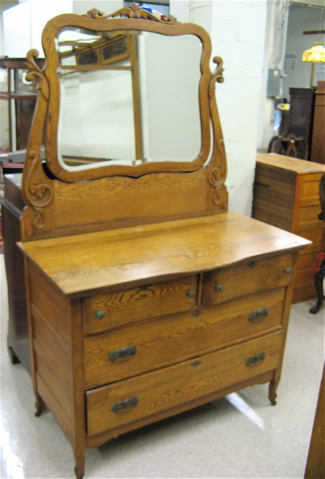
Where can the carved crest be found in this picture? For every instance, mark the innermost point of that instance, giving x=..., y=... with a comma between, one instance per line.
x=133, y=11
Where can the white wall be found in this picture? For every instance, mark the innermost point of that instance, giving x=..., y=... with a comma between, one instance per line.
x=237, y=30
x=23, y=24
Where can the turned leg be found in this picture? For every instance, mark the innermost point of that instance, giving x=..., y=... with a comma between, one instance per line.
x=319, y=277
x=80, y=467
x=40, y=405
x=272, y=392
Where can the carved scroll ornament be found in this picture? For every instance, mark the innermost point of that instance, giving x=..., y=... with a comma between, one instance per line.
x=134, y=11
x=37, y=188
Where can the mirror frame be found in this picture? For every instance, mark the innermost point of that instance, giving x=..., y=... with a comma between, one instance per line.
x=127, y=19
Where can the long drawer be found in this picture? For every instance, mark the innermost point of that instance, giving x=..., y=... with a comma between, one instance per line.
x=114, y=309
x=124, y=402
x=125, y=352
x=228, y=283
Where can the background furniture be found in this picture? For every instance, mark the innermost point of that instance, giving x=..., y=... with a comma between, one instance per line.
x=302, y=133
x=21, y=99
x=145, y=296
x=315, y=467
x=301, y=114
x=296, y=140
x=289, y=145
x=320, y=263
x=12, y=205
x=286, y=195
x=317, y=152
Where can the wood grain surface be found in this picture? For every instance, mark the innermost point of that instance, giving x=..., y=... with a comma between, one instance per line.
x=184, y=382
x=127, y=257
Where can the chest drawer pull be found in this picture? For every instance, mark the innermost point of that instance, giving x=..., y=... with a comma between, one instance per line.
x=252, y=264
x=191, y=293
x=125, y=406
x=218, y=288
x=287, y=270
x=100, y=314
x=258, y=315
x=255, y=360
x=123, y=354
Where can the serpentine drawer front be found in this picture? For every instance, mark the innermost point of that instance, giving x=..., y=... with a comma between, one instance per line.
x=224, y=284
x=166, y=340
x=127, y=401
x=106, y=311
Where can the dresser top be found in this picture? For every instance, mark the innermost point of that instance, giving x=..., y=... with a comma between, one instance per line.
x=89, y=263
x=301, y=167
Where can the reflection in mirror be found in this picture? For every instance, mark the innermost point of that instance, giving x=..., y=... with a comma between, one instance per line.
x=128, y=98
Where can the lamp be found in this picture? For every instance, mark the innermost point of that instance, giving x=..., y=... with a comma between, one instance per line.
x=316, y=54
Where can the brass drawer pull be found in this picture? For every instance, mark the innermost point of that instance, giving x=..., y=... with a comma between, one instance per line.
x=120, y=407
x=100, y=314
x=123, y=354
x=255, y=360
x=258, y=315
x=218, y=288
x=191, y=293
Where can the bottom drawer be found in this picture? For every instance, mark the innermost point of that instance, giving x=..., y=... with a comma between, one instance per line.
x=109, y=407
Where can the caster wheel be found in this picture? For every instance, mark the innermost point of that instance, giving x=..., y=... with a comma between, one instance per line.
x=273, y=402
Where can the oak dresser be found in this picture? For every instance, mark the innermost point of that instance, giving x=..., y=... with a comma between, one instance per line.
x=145, y=296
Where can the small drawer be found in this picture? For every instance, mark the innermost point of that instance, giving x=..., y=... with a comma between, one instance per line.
x=107, y=311
x=115, y=405
x=251, y=277
x=126, y=352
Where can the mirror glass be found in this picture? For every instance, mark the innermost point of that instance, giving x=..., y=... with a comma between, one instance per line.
x=128, y=98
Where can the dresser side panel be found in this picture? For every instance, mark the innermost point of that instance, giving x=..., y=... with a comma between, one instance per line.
x=50, y=324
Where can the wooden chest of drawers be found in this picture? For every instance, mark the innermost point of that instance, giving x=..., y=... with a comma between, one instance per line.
x=120, y=340
x=286, y=195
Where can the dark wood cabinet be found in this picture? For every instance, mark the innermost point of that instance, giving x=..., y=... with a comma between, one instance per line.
x=317, y=152
x=11, y=211
x=301, y=112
